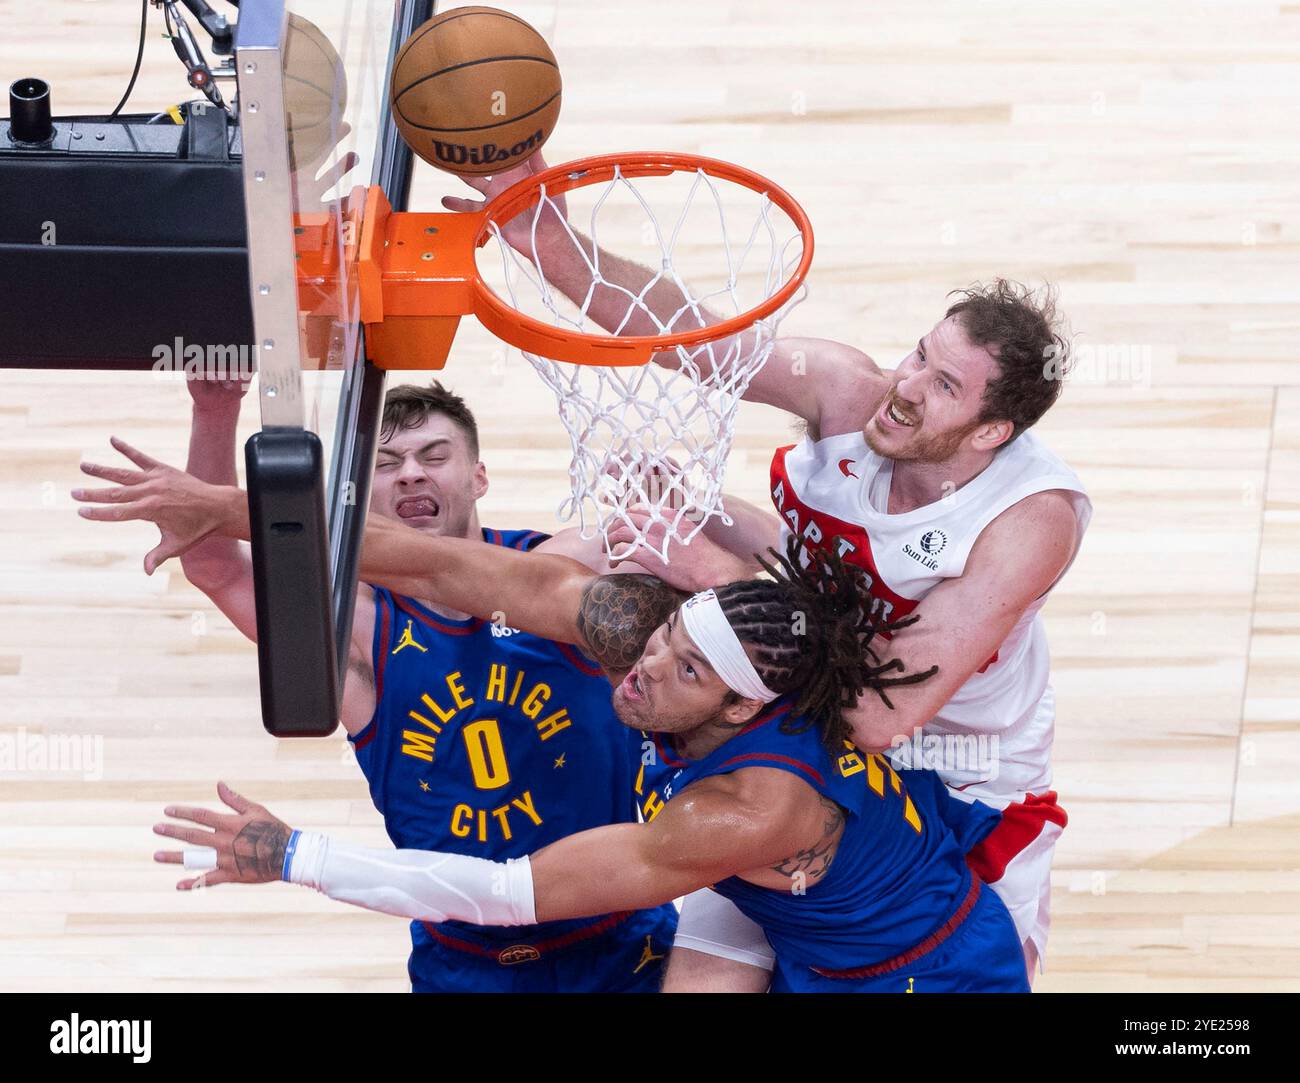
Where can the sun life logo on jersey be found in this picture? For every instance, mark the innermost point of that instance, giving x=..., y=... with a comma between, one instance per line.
x=933, y=541
x=931, y=544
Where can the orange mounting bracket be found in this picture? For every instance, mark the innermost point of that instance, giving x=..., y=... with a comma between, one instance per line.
x=415, y=275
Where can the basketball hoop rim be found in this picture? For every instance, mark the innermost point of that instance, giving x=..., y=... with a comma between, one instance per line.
x=545, y=340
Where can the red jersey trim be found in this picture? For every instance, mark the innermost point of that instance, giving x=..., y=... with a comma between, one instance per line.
x=580, y=661
x=433, y=622
x=806, y=769
x=1021, y=823
x=508, y=955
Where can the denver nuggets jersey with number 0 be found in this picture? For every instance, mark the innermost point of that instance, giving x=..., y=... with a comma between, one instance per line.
x=491, y=742
x=898, y=873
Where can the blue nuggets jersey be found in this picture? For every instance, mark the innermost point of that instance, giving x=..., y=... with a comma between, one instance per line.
x=898, y=874
x=491, y=742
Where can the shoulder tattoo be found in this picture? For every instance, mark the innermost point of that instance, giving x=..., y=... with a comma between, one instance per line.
x=619, y=613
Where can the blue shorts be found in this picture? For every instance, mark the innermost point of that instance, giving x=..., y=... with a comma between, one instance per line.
x=629, y=958
x=983, y=955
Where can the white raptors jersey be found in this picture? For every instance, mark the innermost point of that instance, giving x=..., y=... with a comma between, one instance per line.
x=839, y=488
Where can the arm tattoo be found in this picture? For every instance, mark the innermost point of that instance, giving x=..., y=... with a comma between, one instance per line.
x=620, y=612
x=259, y=848
x=815, y=860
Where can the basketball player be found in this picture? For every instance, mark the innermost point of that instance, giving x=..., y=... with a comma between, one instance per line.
x=857, y=880
x=928, y=480
x=544, y=758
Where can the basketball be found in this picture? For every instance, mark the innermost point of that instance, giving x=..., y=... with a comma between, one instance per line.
x=475, y=91
x=315, y=92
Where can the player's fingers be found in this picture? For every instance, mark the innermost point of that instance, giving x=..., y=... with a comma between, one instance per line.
x=479, y=184
x=113, y=513
x=143, y=461
x=162, y=552
x=192, y=835
x=236, y=801
x=207, y=879
x=119, y=474
x=456, y=203
x=104, y=496
x=204, y=816
x=169, y=857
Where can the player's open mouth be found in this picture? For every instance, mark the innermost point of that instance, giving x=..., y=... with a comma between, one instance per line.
x=889, y=413
x=633, y=689
x=417, y=507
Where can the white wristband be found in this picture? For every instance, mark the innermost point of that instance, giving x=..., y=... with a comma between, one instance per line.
x=420, y=884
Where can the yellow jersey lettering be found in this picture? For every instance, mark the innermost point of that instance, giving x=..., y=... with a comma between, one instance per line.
x=536, y=700
x=500, y=814
x=640, y=781
x=524, y=803
x=911, y=815
x=893, y=776
x=444, y=716
x=877, y=766
x=417, y=744
x=850, y=763
x=549, y=726
x=496, y=686
x=487, y=754
x=458, y=691
x=652, y=806
x=459, y=815
x=875, y=776
x=495, y=823
x=514, y=692
x=415, y=716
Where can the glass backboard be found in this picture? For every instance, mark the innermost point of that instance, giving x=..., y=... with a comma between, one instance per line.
x=313, y=79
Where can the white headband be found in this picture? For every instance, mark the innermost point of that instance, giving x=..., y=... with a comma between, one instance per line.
x=712, y=633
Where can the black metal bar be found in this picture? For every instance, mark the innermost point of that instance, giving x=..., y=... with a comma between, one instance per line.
x=355, y=463
x=295, y=622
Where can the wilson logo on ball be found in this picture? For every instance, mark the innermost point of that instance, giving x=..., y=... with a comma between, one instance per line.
x=454, y=154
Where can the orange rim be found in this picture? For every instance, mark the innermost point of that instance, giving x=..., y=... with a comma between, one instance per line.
x=557, y=343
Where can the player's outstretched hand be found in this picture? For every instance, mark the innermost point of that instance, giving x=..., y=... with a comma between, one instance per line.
x=518, y=231
x=243, y=847
x=694, y=566
x=184, y=509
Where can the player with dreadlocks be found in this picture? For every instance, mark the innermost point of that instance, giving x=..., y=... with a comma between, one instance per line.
x=748, y=785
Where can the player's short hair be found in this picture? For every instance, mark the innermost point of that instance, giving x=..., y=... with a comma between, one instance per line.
x=809, y=631
x=1020, y=327
x=409, y=406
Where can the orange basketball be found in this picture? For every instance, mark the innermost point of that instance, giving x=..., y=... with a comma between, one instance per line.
x=475, y=91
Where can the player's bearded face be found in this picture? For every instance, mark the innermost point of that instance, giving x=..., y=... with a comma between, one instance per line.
x=670, y=689
x=934, y=401
x=428, y=478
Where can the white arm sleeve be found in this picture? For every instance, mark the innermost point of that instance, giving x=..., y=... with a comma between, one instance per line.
x=715, y=926
x=418, y=884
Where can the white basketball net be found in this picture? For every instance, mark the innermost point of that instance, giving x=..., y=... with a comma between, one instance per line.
x=650, y=443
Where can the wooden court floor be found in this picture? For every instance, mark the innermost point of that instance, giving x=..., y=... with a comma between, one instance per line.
x=1141, y=156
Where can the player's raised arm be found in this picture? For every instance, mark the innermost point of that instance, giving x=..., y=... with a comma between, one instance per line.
x=829, y=384
x=961, y=623
x=531, y=591
x=723, y=826
x=221, y=568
